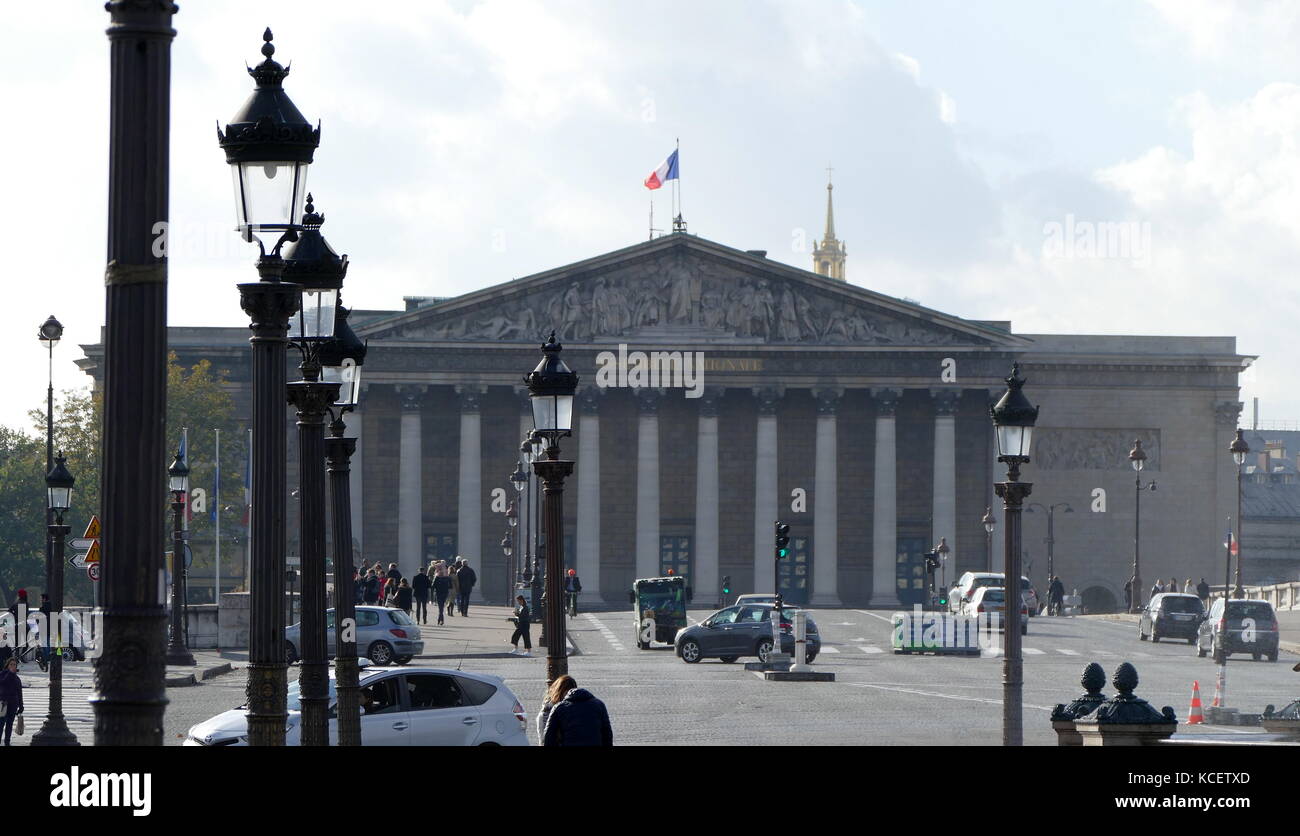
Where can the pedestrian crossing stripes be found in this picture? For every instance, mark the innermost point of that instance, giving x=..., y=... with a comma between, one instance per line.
x=1067, y=652
x=606, y=632
x=1032, y=651
x=828, y=649
x=866, y=648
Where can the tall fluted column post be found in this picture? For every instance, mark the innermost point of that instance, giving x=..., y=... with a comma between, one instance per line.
x=826, y=503
x=410, y=500
x=469, y=503
x=708, y=559
x=588, y=533
x=765, y=503
x=647, y=485
x=884, y=516
x=338, y=452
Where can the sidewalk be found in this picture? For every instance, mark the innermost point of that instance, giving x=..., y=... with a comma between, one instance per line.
x=484, y=634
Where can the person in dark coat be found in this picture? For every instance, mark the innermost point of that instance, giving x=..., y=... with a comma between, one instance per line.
x=370, y=588
x=1055, y=596
x=453, y=574
x=521, y=619
x=562, y=685
x=11, y=694
x=1128, y=595
x=441, y=588
x=420, y=592
x=465, y=580
x=402, y=596
x=578, y=720
x=572, y=586
x=1203, y=591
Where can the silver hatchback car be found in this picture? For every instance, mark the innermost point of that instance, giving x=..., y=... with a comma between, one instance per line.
x=385, y=635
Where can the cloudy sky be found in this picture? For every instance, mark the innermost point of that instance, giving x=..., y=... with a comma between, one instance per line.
x=466, y=143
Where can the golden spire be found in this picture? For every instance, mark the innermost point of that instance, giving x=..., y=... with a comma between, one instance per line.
x=829, y=255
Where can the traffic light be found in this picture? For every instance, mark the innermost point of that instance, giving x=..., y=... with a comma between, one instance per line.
x=782, y=540
x=726, y=584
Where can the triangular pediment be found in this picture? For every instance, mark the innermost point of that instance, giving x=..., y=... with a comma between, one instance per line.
x=684, y=290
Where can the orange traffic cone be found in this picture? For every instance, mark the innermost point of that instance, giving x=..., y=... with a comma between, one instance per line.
x=1194, y=715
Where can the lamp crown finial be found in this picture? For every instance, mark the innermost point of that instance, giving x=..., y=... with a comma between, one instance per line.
x=269, y=72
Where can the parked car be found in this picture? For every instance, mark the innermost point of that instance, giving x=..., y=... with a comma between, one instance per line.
x=1241, y=626
x=742, y=630
x=1171, y=615
x=401, y=707
x=992, y=599
x=960, y=595
x=384, y=635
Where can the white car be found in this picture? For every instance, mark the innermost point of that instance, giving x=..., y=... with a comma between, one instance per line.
x=960, y=595
x=407, y=706
x=992, y=599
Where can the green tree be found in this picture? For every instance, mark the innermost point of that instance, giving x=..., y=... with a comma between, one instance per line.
x=195, y=399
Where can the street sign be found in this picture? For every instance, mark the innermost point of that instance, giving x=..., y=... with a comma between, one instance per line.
x=189, y=556
x=92, y=571
x=77, y=560
x=185, y=535
x=92, y=556
x=92, y=529
x=82, y=543
x=292, y=560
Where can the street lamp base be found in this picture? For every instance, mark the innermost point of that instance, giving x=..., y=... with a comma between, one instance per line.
x=55, y=732
x=180, y=656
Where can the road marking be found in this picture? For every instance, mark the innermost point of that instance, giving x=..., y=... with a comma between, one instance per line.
x=606, y=632
x=866, y=648
x=1067, y=652
x=919, y=692
x=829, y=649
x=1032, y=651
x=873, y=615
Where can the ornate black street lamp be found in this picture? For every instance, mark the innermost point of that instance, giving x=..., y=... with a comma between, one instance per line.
x=1013, y=419
x=341, y=359
x=1051, y=533
x=1239, y=448
x=269, y=146
x=529, y=452
x=1138, y=458
x=508, y=548
x=50, y=332
x=990, y=522
x=313, y=265
x=178, y=483
x=551, y=386
x=943, y=551
x=130, y=673
x=520, y=478
x=58, y=487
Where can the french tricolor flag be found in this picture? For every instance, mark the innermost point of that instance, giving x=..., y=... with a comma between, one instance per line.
x=666, y=171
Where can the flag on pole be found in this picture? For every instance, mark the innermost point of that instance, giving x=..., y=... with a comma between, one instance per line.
x=666, y=171
x=1231, y=543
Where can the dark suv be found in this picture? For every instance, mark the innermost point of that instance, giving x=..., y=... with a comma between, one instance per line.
x=1240, y=627
x=1171, y=615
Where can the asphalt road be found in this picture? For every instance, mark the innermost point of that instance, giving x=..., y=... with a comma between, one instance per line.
x=878, y=698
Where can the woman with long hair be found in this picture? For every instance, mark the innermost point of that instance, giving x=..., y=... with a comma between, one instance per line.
x=561, y=686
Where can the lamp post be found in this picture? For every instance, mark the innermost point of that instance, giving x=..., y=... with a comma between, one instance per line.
x=269, y=146
x=531, y=450
x=130, y=673
x=178, y=482
x=520, y=480
x=1138, y=458
x=313, y=265
x=1239, y=448
x=507, y=544
x=341, y=361
x=551, y=386
x=50, y=332
x=1051, y=533
x=1013, y=419
x=943, y=551
x=989, y=523
x=58, y=487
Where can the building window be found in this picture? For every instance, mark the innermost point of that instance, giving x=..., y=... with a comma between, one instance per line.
x=439, y=547
x=910, y=571
x=675, y=554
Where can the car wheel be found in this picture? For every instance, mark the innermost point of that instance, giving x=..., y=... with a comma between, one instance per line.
x=690, y=651
x=1272, y=657
x=1200, y=651
x=728, y=659
x=763, y=650
x=1024, y=629
x=1141, y=636
x=809, y=659
x=381, y=653
x=1154, y=638
x=1255, y=656
x=1219, y=656
x=640, y=645
x=290, y=653
x=404, y=660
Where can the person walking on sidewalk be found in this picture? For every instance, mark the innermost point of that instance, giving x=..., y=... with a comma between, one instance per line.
x=441, y=587
x=453, y=573
x=370, y=589
x=420, y=591
x=466, y=579
x=521, y=619
x=554, y=695
x=402, y=596
x=11, y=697
x=1203, y=592
x=578, y=720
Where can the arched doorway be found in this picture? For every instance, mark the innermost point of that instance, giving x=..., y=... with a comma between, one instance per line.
x=1097, y=599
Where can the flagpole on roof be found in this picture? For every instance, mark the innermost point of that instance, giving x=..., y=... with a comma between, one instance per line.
x=216, y=514
x=677, y=185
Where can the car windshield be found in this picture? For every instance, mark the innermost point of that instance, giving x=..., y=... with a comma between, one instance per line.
x=400, y=617
x=990, y=581
x=995, y=596
x=1181, y=604
x=295, y=695
x=656, y=599
x=1258, y=610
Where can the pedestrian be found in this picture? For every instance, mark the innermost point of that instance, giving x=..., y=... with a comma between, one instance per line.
x=523, y=622
x=578, y=720
x=572, y=586
x=1055, y=596
x=1187, y=587
x=466, y=579
x=441, y=587
x=562, y=685
x=390, y=593
x=1156, y=589
x=371, y=588
x=11, y=697
x=1203, y=592
x=420, y=591
x=453, y=574
x=1173, y=585
x=394, y=573
x=1128, y=595
x=402, y=596
x=358, y=587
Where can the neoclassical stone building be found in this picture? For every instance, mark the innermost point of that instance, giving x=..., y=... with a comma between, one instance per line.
x=860, y=419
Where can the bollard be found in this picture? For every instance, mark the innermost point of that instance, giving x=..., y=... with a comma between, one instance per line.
x=1063, y=716
x=1126, y=719
x=800, y=643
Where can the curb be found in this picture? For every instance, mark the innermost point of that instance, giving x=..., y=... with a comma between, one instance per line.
x=181, y=681
x=185, y=680
x=218, y=670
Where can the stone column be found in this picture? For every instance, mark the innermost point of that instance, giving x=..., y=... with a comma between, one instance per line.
x=469, y=497
x=587, y=537
x=884, y=516
x=410, y=499
x=945, y=473
x=647, y=484
x=707, y=581
x=826, y=505
x=356, y=482
x=765, y=503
